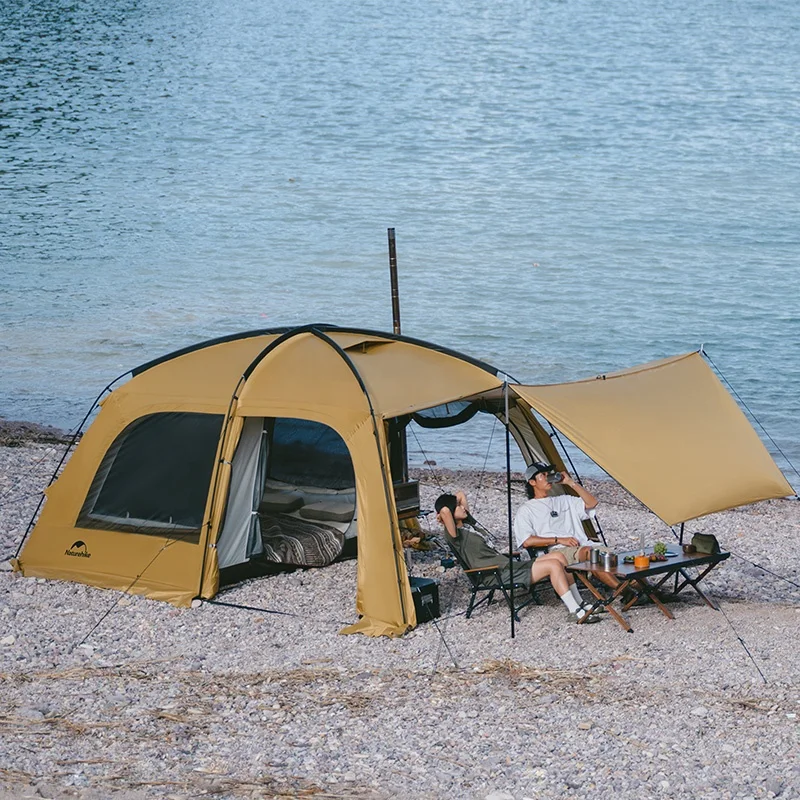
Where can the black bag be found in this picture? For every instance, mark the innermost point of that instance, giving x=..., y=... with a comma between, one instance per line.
x=425, y=592
x=705, y=543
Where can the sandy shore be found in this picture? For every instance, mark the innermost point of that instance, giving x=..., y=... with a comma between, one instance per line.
x=152, y=701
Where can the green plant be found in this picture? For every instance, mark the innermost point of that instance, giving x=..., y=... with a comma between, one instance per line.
x=660, y=549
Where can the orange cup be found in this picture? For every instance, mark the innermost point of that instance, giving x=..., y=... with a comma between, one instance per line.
x=641, y=562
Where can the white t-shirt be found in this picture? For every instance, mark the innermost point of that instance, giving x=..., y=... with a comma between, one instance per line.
x=534, y=518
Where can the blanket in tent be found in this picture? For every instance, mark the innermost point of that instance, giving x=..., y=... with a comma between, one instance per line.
x=289, y=540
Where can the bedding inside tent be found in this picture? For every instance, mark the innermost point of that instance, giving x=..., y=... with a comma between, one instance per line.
x=292, y=497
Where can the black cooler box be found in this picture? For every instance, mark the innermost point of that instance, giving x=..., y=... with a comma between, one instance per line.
x=425, y=592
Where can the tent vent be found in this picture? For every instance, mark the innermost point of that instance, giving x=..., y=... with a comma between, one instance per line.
x=365, y=346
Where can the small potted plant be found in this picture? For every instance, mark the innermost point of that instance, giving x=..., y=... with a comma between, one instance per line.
x=659, y=551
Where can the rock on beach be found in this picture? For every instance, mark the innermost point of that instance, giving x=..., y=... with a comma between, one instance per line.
x=215, y=701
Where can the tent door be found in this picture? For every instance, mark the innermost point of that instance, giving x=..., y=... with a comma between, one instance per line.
x=241, y=533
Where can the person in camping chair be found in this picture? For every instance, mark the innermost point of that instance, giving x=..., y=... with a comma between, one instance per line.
x=554, y=521
x=452, y=511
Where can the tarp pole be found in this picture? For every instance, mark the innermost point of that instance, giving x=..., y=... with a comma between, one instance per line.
x=508, y=507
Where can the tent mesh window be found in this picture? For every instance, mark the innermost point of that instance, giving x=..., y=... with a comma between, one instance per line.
x=155, y=477
x=308, y=453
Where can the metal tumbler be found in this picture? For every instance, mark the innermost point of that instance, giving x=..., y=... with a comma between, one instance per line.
x=609, y=561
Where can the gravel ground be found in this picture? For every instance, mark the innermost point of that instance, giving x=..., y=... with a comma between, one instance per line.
x=153, y=701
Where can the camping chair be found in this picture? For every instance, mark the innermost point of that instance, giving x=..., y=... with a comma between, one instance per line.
x=489, y=580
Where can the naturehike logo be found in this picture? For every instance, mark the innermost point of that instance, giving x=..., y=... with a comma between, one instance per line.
x=78, y=549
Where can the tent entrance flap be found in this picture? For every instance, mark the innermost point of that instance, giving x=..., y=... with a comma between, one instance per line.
x=240, y=538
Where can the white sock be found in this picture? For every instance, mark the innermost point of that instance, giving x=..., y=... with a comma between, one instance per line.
x=570, y=602
x=573, y=587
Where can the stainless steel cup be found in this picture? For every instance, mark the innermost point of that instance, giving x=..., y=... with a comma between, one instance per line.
x=594, y=557
x=609, y=561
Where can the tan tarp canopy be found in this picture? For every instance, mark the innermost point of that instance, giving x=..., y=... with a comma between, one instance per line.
x=669, y=432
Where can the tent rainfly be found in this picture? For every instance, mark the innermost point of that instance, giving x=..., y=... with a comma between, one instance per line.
x=204, y=458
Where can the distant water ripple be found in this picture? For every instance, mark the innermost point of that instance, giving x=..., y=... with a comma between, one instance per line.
x=576, y=186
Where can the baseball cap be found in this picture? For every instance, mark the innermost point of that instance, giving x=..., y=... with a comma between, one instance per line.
x=535, y=468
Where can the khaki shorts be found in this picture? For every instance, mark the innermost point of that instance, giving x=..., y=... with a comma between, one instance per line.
x=570, y=553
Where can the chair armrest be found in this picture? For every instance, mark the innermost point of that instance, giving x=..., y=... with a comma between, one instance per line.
x=483, y=569
x=535, y=552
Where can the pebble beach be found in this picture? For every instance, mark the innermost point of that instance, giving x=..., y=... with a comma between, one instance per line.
x=107, y=695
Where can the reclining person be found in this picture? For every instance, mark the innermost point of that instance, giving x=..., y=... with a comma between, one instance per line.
x=452, y=510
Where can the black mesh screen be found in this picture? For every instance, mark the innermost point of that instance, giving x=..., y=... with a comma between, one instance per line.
x=155, y=477
x=308, y=453
x=446, y=415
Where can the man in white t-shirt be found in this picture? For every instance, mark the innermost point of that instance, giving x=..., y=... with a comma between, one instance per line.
x=554, y=521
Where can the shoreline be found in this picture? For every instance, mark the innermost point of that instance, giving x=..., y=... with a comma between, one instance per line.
x=18, y=433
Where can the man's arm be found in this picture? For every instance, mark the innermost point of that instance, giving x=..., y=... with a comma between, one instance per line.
x=550, y=541
x=589, y=500
x=524, y=524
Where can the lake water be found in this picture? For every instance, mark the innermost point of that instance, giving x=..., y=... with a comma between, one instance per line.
x=576, y=185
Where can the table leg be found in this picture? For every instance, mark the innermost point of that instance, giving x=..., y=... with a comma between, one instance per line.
x=693, y=583
x=604, y=601
x=648, y=591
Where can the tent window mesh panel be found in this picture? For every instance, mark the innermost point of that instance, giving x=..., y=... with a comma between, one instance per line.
x=155, y=477
x=308, y=453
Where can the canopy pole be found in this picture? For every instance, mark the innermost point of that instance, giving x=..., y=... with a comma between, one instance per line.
x=508, y=508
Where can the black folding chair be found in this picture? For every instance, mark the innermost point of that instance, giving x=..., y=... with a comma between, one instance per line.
x=488, y=580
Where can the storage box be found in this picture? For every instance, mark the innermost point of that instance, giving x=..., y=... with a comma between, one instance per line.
x=425, y=592
x=406, y=499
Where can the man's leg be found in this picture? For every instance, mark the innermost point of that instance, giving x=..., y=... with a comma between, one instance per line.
x=561, y=559
x=553, y=568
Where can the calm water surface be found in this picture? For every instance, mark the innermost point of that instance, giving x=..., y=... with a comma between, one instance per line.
x=577, y=186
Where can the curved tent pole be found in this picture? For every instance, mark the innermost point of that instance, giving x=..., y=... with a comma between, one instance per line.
x=63, y=458
x=322, y=327
x=386, y=488
x=286, y=333
x=319, y=332
x=223, y=440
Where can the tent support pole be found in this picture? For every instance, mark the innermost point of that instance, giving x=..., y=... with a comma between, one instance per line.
x=680, y=541
x=72, y=443
x=508, y=508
